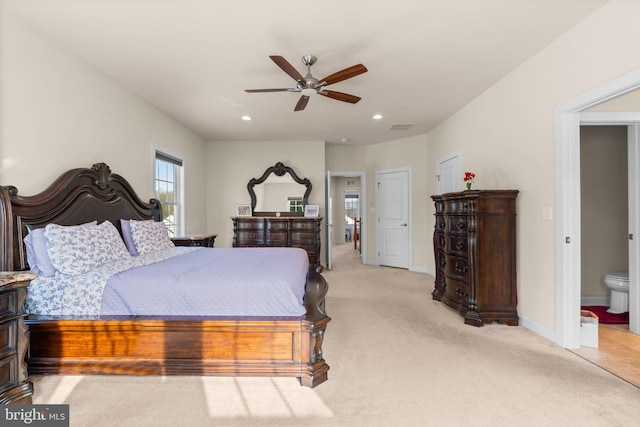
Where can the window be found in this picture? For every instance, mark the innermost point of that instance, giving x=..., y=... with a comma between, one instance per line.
x=295, y=204
x=352, y=205
x=168, y=191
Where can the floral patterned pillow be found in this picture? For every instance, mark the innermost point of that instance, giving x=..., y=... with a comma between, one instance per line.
x=150, y=236
x=77, y=250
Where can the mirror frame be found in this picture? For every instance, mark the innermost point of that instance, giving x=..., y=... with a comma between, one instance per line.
x=279, y=169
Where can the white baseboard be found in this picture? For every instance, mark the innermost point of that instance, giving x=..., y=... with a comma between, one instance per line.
x=539, y=329
x=421, y=270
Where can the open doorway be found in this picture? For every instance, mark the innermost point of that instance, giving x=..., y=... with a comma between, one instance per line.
x=346, y=203
x=569, y=116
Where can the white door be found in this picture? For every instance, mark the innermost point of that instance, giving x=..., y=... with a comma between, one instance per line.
x=449, y=174
x=393, y=227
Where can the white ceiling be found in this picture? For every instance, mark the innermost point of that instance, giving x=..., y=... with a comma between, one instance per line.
x=193, y=59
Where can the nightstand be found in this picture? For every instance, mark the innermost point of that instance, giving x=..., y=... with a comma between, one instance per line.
x=204, y=240
x=15, y=387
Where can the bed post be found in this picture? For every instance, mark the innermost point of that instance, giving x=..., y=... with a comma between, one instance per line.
x=6, y=231
x=313, y=327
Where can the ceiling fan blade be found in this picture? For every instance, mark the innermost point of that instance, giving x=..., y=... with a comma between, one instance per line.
x=302, y=103
x=265, y=90
x=288, y=68
x=340, y=96
x=345, y=74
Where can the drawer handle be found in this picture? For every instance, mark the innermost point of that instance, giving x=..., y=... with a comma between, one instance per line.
x=459, y=246
x=460, y=293
x=462, y=269
x=460, y=225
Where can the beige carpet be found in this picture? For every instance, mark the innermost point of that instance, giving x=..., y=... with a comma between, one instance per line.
x=397, y=358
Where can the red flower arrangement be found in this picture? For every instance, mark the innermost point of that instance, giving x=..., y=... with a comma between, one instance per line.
x=468, y=179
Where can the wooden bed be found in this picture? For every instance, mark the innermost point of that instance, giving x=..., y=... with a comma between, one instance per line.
x=226, y=346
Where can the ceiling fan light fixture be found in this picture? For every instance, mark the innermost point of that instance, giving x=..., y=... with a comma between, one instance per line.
x=309, y=85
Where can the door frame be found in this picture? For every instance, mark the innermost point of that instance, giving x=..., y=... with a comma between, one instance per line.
x=567, y=201
x=363, y=211
x=409, y=170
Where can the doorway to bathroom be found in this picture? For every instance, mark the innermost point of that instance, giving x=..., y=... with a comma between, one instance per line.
x=604, y=215
x=568, y=117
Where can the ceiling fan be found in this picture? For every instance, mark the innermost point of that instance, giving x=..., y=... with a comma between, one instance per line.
x=309, y=85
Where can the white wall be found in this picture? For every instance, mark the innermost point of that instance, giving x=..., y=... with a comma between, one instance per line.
x=58, y=112
x=399, y=153
x=506, y=136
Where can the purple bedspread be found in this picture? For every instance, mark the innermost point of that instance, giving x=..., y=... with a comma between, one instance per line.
x=213, y=281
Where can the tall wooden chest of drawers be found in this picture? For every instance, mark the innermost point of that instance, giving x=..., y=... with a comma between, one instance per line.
x=475, y=254
x=14, y=338
x=296, y=232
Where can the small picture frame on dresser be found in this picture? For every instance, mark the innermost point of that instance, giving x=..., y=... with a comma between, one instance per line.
x=243, y=210
x=311, y=211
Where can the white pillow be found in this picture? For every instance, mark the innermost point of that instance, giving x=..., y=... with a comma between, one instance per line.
x=36, y=245
x=150, y=236
x=77, y=250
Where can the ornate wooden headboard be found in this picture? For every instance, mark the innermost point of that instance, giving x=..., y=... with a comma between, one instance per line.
x=75, y=197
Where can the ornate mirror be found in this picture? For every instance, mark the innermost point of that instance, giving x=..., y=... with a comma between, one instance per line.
x=279, y=192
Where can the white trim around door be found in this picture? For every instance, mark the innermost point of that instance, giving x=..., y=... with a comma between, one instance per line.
x=567, y=200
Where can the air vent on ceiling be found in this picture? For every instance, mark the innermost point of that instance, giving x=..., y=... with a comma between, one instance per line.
x=401, y=126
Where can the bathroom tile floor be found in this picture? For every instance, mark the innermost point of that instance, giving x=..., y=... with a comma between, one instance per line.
x=618, y=352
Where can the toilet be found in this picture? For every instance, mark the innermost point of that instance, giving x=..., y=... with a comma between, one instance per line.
x=618, y=282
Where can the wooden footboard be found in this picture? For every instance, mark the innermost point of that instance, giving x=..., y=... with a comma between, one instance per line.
x=225, y=346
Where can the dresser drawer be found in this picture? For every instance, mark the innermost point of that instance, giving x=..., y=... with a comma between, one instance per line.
x=249, y=238
x=460, y=206
x=250, y=225
x=457, y=245
x=303, y=238
x=8, y=304
x=304, y=225
x=457, y=224
x=8, y=338
x=457, y=291
x=457, y=267
x=276, y=225
x=276, y=238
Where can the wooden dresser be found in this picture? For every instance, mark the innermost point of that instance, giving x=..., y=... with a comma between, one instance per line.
x=297, y=232
x=15, y=387
x=475, y=254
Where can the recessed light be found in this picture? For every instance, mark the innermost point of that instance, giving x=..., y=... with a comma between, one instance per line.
x=246, y=118
x=376, y=116
x=345, y=140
